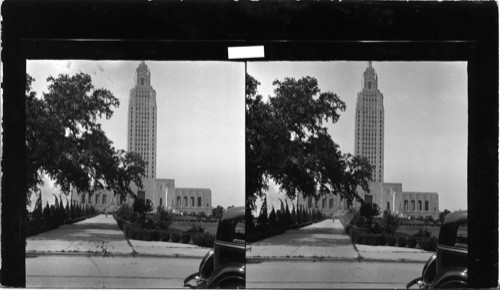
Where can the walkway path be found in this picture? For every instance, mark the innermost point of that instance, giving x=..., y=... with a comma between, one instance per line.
x=101, y=235
x=326, y=239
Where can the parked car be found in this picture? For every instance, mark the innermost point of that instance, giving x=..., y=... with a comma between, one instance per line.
x=447, y=268
x=224, y=265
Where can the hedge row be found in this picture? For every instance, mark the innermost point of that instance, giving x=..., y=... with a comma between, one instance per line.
x=135, y=232
x=260, y=233
x=424, y=243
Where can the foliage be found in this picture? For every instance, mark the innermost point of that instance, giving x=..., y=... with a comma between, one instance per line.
x=217, y=212
x=272, y=217
x=369, y=211
x=185, y=238
x=288, y=143
x=411, y=242
x=125, y=212
x=422, y=233
x=262, y=219
x=161, y=219
x=195, y=229
x=164, y=236
x=401, y=241
x=203, y=239
x=176, y=237
x=389, y=222
x=391, y=241
x=65, y=141
x=142, y=207
x=428, y=244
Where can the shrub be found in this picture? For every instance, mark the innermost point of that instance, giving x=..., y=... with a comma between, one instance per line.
x=391, y=241
x=185, y=238
x=422, y=233
x=411, y=242
x=375, y=228
x=427, y=244
x=164, y=236
x=196, y=229
x=402, y=242
x=203, y=240
x=175, y=237
x=382, y=240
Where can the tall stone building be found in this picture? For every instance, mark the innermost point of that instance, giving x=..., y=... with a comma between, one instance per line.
x=142, y=128
x=369, y=123
x=142, y=119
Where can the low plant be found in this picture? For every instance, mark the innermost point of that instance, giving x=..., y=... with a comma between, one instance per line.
x=164, y=236
x=391, y=241
x=411, y=242
x=175, y=237
x=185, y=238
x=203, y=239
x=401, y=242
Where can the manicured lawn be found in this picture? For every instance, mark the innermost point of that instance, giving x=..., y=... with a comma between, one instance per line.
x=410, y=230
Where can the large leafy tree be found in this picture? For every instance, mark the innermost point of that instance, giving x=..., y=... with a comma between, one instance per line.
x=66, y=142
x=288, y=143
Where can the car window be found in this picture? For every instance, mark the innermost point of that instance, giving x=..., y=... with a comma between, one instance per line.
x=461, y=236
x=239, y=232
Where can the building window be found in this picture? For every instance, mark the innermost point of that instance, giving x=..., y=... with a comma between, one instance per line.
x=178, y=201
x=331, y=203
x=97, y=198
x=199, y=201
x=161, y=201
x=426, y=205
x=420, y=205
x=192, y=201
x=104, y=199
x=413, y=205
x=142, y=81
x=324, y=203
x=406, y=205
x=185, y=201
x=388, y=206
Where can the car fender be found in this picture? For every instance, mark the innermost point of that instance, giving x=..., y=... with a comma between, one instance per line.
x=234, y=271
x=454, y=277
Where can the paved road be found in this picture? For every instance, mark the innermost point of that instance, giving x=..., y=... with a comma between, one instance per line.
x=330, y=274
x=107, y=272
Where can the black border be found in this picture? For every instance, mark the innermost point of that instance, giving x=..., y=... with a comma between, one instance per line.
x=202, y=30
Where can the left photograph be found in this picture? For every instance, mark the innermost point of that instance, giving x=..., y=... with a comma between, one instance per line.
x=136, y=174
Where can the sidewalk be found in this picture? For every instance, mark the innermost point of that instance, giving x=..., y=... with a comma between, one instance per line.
x=101, y=236
x=323, y=240
x=327, y=240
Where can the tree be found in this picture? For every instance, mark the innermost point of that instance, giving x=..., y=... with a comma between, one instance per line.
x=217, y=212
x=272, y=217
x=142, y=207
x=369, y=211
x=389, y=222
x=443, y=214
x=288, y=143
x=66, y=143
x=262, y=219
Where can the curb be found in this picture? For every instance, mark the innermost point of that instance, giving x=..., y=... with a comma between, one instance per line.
x=257, y=260
x=110, y=255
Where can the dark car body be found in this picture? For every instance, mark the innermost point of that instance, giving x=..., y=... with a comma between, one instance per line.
x=447, y=268
x=224, y=265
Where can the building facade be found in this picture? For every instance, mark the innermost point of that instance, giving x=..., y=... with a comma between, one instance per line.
x=142, y=128
x=369, y=123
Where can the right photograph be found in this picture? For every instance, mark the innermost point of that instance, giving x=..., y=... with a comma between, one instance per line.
x=356, y=174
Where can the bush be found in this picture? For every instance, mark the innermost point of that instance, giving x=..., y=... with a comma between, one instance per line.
x=375, y=228
x=203, y=240
x=185, y=238
x=391, y=241
x=196, y=229
x=382, y=240
x=402, y=242
x=422, y=233
x=411, y=242
x=427, y=244
x=164, y=236
x=176, y=237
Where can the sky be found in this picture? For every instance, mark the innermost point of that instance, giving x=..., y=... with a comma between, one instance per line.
x=425, y=104
x=201, y=120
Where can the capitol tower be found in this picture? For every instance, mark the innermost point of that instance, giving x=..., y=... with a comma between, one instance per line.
x=369, y=123
x=142, y=120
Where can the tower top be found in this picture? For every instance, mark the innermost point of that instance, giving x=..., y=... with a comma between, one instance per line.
x=142, y=75
x=370, y=78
